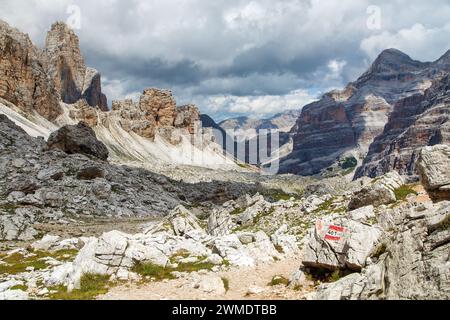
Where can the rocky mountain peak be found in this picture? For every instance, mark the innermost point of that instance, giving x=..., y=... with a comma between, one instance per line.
x=383, y=119
x=23, y=78
x=444, y=61
x=395, y=58
x=66, y=66
x=61, y=32
x=391, y=63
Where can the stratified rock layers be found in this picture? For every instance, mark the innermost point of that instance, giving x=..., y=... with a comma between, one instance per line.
x=397, y=107
x=66, y=66
x=417, y=121
x=23, y=79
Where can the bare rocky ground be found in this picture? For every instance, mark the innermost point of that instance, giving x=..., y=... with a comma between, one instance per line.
x=244, y=284
x=77, y=227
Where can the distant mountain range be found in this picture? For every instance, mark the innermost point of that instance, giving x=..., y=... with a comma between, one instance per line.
x=282, y=121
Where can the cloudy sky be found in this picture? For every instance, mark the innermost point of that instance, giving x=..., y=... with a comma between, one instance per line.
x=237, y=57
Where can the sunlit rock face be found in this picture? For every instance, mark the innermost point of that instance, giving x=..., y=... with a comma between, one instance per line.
x=66, y=66
x=155, y=112
x=23, y=79
x=383, y=102
x=417, y=121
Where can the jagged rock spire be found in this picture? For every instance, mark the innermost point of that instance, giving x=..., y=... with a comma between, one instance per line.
x=66, y=66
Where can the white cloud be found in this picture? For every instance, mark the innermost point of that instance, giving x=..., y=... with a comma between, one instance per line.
x=262, y=105
x=255, y=52
x=115, y=90
x=419, y=41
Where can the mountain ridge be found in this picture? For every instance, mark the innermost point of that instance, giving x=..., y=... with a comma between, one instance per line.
x=344, y=123
x=54, y=87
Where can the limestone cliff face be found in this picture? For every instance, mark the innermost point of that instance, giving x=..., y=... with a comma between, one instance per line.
x=417, y=121
x=349, y=121
x=66, y=66
x=37, y=81
x=155, y=113
x=23, y=79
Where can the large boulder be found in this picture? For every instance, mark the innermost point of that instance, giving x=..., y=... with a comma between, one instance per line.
x=284, y=242
x=183, y=221
x=379, y=191
x=412, y=263
x=78, y=138
x=111, y=254
x=340, y=243
x=434, y=170
x=220, y=222
x=12, y=295
x=260, y=251
x=17, y=225
x=356, y=286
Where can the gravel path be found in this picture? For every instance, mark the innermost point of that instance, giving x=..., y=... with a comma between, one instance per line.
x=240, y=280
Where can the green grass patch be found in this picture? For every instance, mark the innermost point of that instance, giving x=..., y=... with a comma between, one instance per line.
x=181, y=254
x=193, y=267
x=19, y=287
x=402, y=192
x=325, y=206
x=237, y=211
x=278, y=280
x=8, y=208
x=154, y=271
x=335, y=276
x=263, y=214
x=91, y=286
x=381, y=249
x=442, y=226
x=297, y=287
x=348, y=171
x=159, y=273
x=226, y=284
x=18, y=263
x=279, y=248
x=326, y=276
x=349, y=163
x=279, y=195
x=64, y=255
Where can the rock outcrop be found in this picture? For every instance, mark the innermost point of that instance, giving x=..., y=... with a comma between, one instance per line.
x=78, y=139
x=55, y=84
x=416, y=121
x=66, y=66
x=402, y=250
x=377, y=192
x=339, y=243
x=410, y=263
x=23, y=78
x=386, y=104
x=434, y=170
x=156, y=112
x=38, y=183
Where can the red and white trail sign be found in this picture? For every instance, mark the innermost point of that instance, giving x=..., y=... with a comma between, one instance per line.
x=333, y=234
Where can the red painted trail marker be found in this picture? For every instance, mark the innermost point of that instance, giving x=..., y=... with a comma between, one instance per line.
x=335, y=233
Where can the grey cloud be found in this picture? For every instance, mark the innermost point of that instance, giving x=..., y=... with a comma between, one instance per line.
x=202, y=49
